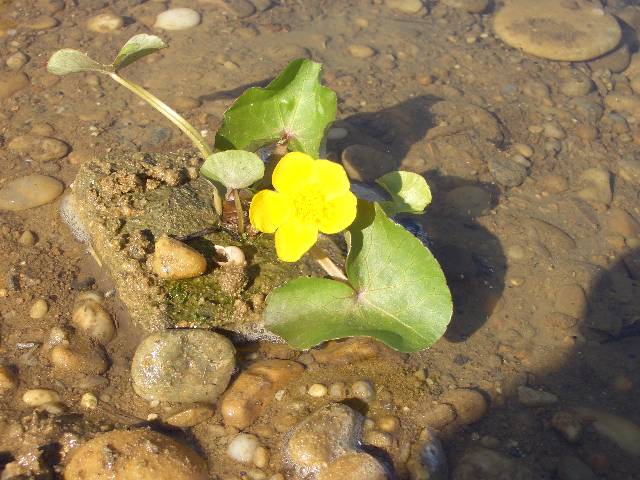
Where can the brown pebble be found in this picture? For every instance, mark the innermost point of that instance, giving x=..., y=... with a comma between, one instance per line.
x=469, y=405
x=28, y=238
x=254, y=389
x=11, y=83
x=175, y=260
x=8, y=380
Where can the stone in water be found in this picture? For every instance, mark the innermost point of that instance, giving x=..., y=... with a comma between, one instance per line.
x=572, y=31
x=29, y=191
x=177, y=19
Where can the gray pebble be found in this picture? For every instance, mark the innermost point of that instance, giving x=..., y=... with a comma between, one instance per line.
x=575, y=84
x=183, y=366
x=507, y=172
x=530, y=397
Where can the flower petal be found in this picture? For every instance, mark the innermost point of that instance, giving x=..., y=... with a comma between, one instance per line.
x=331, y=178
x=339, y=213
x=269, y=210
x=292, y=172
x=294, y=239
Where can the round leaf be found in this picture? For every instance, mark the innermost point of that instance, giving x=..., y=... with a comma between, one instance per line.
x=137, y=47
x=67, y=61
x=396, y=293
x=233, y=168
x=409, y=192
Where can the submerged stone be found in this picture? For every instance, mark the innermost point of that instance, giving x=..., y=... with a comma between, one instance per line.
x=29, y=191
x=569, y=31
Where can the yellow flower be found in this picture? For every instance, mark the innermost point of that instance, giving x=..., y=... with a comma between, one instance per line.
x=310, y=196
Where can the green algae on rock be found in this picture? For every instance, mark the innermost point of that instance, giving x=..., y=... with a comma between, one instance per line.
x=120, y=204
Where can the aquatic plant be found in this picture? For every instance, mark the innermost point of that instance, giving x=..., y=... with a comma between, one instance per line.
x=392, y=288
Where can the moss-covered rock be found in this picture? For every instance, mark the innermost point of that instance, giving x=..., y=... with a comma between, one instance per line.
x=120, y=205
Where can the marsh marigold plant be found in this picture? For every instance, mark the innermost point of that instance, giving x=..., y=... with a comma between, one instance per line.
x=310, y=196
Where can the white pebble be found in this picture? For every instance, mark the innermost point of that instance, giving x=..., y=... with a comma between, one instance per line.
x=89, y=401
x=105, y=23
x=37, y=397
x=243, y=447
x=94, y=321
x=177, y=19
x=317, y=390
x=17, y=61
x=363, y=390
x=57, y=336
x=38, y=309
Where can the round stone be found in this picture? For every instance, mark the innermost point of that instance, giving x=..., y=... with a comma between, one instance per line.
x=358, y=50
x=29, y=191
x=507, y=172
x=39, y=148
x=574, y=83
x=177, y=19
x=137, y=454
x=105, y=23
x=183, y=366
x=43, y=22
x=12, y=82
x=243, y=447
x=571, y=31
x=16, y=61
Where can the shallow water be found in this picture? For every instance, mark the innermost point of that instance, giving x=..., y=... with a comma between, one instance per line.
x=535, y=216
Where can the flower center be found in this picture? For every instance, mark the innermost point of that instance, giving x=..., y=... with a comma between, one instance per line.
x=309, y=205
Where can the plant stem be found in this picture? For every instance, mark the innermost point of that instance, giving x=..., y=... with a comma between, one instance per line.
x=320, y=256
x=168, y=112
x=239, y=210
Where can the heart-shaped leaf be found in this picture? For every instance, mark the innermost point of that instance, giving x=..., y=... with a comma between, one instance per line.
x=396, y=292
x=293, y=107
x=233, y=168
x=67, y=60
x=137, y=47
x=409, y=192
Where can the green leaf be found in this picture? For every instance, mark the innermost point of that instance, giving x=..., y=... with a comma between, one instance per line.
x=396, y=293
x=137, y=47
x=294, y=106
x=233, y=168
x=409, y=192
x=67, y=60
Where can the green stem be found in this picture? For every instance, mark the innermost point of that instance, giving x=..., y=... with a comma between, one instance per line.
x=239, y=210
x=188, y=129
